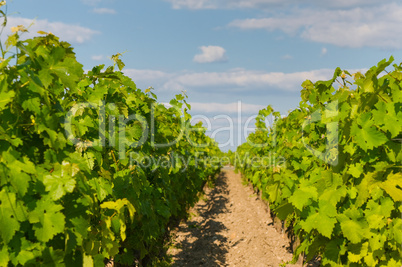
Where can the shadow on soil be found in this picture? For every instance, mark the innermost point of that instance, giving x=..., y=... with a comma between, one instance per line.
x=208, y=249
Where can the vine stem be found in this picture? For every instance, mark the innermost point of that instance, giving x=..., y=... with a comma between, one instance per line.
x=114, y=159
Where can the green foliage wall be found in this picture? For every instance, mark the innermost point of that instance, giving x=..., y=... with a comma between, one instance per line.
x=332, y=167
x=73, y=187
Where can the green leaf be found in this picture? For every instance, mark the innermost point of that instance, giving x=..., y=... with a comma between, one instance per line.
x=394, y=263
x=52, y=257
x=366, y=135
x=356, y=170
x=101, y=186
x=321, y=222
x=8, y=217
x=365, y=188
x=4, y=256
x=327, y=208
x=20, y=181
x=357, y=251
x=284, y=210
x=332, y=251
x=333, y=195
x=162, y=209
x=354, y=230
x=28, y=251
x=61, y=180
x=69, y=71
x=118, y=61
x=119, y=206
x=377, y=240
x=32, y=104
x=303, y=194
x=6, y=98
x=393, y=186
x=386, y=118
x=396, y=227
x=46, y=77
x=179, y=97
x=377, y=212
x=28, y=166
x=88, y=261
x=48, y=219
x=80, y=228
x=12, y=40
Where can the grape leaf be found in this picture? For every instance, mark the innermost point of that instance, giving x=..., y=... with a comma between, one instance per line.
x=321, y=222
x=393, y=186
x=4, y=256
x=386, y=118
x=101, y=186
x=397, y=230
x=303, y=194
x=47, y=219
x=333, y=195
x=6, y=98
x=27, y=251
x=357, y=251
x=377, y=213
x=322, y=219
x=20, y=181
x=366, y=134
x=60, y=181
x=352, y=229
x=8, y=221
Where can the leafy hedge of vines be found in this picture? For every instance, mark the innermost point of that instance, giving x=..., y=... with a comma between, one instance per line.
x=332, y=167
x=83, y=177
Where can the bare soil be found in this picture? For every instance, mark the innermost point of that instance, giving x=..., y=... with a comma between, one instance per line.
x=229, y=226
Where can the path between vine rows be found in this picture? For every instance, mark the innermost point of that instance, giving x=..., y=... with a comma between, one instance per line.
x=229, y=226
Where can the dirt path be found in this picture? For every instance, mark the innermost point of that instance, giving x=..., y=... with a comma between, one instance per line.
x=229, y=227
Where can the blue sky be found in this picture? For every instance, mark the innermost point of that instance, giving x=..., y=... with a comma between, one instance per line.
x=222, y=51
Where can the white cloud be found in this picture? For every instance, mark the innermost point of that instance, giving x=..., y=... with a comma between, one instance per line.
x=67, y=32
x=104, y=10
x=193, y=4
x=268, y=4
x=287, y=56
x=355, y=27
x=98, y=57
x=271, y=24
x=237, y=78
x=324, y=51
x=211, y=54
x=91, y=2
x=147, y=75
x=246, y=78
x=225, y=108
x=346, y=3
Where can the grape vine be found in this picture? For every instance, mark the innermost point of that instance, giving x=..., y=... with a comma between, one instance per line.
x=336, y=174
x=84, y=172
